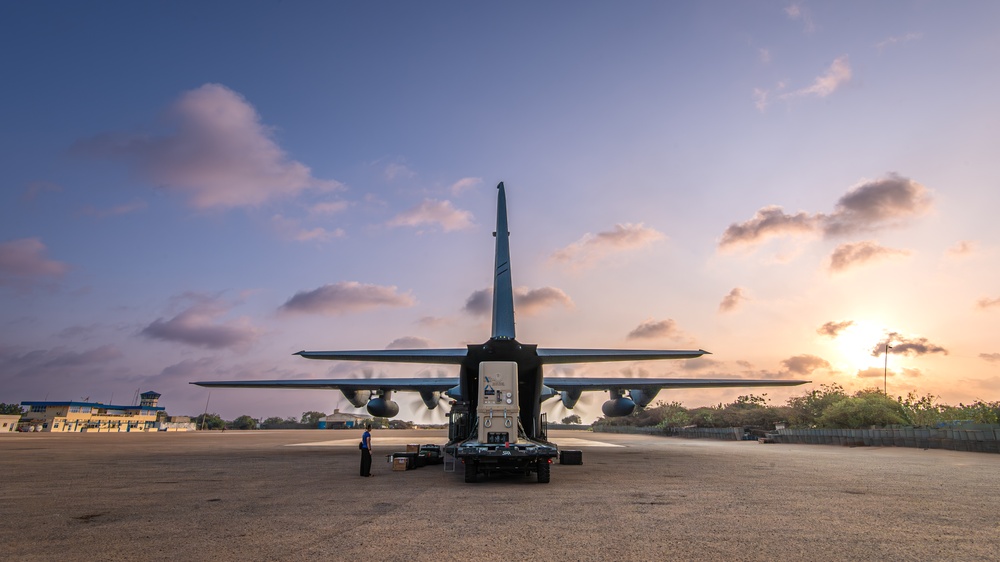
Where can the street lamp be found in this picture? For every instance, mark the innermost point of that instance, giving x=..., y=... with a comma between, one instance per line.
x=885, y=371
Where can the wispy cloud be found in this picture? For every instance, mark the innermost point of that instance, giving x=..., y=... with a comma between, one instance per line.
x=292, y=229
x=805, y=364
x=409, y=342
x=464, y=185
x=346, y=297
x=900, y=344
x=990, y=357
x=36, y=188
x=869, y=206
x=115, y=211
x=796, y=12
x=218, y=154
x=396, y=170
x=733, y=300
x=526, y=301
x=896, y=40
x=986, y=303
x=962, y=249
x=200, y=325
x=592, y=248
x=833, y=329
x=23, y=262
x=655, y=329
x=431, y=212
x=847, y=256
x=328, y=207
x=838, y=74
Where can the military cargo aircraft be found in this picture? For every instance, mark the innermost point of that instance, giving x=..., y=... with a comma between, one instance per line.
x=532, y=386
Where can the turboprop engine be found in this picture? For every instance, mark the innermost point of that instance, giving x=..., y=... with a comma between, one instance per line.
x=642, y=398
x=382, y=407
x=357, y=398
x=618, y=406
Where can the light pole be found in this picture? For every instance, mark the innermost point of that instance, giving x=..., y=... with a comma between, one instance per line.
x=885, y=371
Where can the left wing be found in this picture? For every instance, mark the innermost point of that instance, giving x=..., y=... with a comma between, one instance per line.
x=439, y=384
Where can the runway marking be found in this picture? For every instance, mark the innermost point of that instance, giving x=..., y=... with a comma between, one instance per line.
x=380, y=441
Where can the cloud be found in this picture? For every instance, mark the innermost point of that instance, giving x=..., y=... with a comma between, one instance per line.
x=805, y=364
x=878, y=203
x=36, y=188
x=526, y=301
x=870, y=205
x=409, y=342
x=115, y=211
x=328, y=207
x=833, y=329
x=591, y=248
x=846, y=256
x=431, y=212
x=906, y=346
x=873, y=372
x=733, y=300
x=346, y=297
x=838, y=74
x=962, y=248
x=983, y=303
x=655, y=329
x=217, y=155
x=464, y=185
x=291, y=229
x=479, y=302
x=198, y=325
x=396, y=170
x=23, y=260
x=768, y=222
x=990, y=357
x=531, y=301
x=898, y=40
x=796, y=12
x=96, y=356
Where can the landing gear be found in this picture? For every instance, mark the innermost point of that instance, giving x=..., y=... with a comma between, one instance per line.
x=471, y=471
x=543, y=467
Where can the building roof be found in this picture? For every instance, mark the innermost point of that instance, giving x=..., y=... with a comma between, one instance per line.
x=92, y=405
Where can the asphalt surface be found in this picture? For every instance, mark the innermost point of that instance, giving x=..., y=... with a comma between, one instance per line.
x=297, y=495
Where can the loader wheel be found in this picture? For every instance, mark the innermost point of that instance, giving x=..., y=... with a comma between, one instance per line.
x=543, y=471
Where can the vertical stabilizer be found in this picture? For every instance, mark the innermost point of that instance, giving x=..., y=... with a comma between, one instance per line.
x=503, y=292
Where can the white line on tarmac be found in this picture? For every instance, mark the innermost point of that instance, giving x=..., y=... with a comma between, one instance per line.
x=377, y=442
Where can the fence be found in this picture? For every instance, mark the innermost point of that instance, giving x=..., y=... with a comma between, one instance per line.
x=981, y=439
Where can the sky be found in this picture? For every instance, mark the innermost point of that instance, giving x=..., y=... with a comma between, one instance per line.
x=195, y=191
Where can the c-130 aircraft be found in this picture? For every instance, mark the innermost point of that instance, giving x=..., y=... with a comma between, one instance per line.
x=496, y=424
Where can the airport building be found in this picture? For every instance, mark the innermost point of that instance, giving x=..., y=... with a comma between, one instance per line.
x=8, y=422
x=76, y=416
x=341, y=420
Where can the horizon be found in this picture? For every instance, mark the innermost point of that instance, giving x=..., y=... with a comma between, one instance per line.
x=196, y=192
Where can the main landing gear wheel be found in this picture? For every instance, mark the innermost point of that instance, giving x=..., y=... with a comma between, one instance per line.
x=470, y=472
x=543, y=471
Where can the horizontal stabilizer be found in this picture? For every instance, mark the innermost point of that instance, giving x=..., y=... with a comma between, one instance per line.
x=435, y=356
x=440, y=384
x=553, y=356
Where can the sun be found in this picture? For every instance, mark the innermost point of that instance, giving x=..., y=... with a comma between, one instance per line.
x=854, y=346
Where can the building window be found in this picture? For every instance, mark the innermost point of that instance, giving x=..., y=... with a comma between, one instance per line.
x=38, y=408
x=74, y=409
x=85, y=409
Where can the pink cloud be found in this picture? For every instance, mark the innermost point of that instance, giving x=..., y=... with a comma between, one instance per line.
x=24, y=260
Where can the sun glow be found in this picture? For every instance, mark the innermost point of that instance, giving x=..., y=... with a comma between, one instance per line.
x=854, y=346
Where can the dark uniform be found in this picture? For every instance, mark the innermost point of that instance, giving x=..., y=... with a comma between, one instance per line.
x=366, y=453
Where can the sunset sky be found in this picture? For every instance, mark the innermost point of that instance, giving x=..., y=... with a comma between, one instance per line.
x=197, y=190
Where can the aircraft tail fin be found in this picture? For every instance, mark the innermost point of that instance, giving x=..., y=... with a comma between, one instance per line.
x=503, y=291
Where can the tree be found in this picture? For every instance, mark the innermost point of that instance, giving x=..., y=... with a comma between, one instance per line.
x=312, y=418
x=244, y=422
x=866, y=408
x=805, y=410
x=11, y=409
x=572, y=419
x=209, y=421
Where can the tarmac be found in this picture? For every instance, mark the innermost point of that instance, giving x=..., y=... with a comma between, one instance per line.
x=297, y=495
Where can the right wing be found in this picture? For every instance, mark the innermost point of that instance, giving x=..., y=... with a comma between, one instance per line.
x=438, y=384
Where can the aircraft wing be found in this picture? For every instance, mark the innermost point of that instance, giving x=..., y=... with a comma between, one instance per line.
x=553, y=356
x=622, y=383
x=439, y=384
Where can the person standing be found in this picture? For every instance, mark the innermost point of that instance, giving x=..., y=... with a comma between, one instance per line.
x=366, y=452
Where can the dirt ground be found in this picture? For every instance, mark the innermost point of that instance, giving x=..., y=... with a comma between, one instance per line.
x=297, y=495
